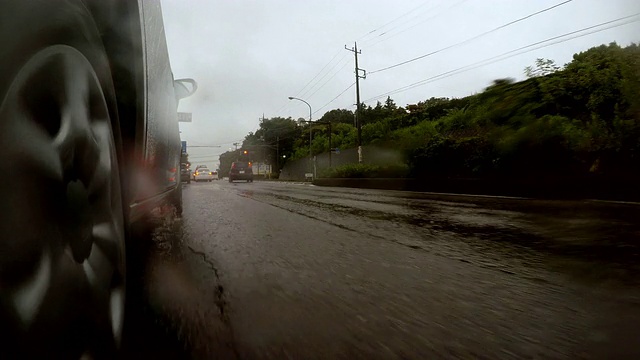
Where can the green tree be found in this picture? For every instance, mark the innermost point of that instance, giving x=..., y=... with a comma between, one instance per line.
x=274, y=140
x=577, y=120
x=542, y=67
x=338, y=116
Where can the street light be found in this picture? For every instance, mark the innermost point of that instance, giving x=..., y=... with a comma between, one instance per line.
x=310, y=139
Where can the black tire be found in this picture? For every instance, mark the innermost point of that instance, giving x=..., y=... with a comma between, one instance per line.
x=56, y=90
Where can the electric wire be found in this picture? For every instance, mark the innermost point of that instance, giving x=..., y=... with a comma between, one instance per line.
x=383, y=39
x=412, y=11
x=515, y=52
x=472, y=38
x=335, y=98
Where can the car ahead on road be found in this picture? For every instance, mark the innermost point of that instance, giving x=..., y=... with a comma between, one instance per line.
x=185, y=174
x=90, y=145
x=198, y=167
x=203, y=174
x=241, y=170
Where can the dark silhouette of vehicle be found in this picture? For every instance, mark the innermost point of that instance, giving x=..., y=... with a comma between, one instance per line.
x=241, y=170
x=185, y=174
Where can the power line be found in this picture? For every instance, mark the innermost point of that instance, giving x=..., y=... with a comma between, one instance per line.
x=335, y=98
x=320, y=72
x=310, y=81
x=472, y=38
x=200, y=144
x=330, y=61
x=203, y=157
x=392, y=21
x=329, y=79
x=211, y=145
x=512, y=53
x=305, y=93
x=381, y=38
x=411, y=27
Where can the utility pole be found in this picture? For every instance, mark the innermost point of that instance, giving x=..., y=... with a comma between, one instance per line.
x=330, y=146
x=355, y=52
x=236, y=145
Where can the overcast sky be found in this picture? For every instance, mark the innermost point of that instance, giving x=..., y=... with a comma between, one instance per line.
x=248, y=57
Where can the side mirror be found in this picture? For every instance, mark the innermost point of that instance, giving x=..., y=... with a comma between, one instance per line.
x=184, y=88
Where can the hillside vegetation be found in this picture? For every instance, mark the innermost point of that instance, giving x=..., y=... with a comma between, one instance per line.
x=581, y=119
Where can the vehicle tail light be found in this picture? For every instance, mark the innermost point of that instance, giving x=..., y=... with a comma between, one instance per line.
x=233, y=166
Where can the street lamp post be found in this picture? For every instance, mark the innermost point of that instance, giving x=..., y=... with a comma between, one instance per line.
x=310, y=138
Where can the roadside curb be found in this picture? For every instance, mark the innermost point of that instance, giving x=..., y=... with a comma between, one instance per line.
x=620, y=190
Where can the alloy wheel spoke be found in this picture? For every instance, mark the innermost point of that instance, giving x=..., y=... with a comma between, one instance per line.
x=33, y=150
x=98, y=269
x=28, y=298
x=98, y=184
x=105, y=237
x=74, y=132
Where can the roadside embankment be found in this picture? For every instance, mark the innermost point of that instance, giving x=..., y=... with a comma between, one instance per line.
x=553, y=188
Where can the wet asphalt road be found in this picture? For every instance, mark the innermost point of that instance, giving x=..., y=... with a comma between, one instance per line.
x=270, y=270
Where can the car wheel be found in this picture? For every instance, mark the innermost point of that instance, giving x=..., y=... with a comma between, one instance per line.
x=62, y=253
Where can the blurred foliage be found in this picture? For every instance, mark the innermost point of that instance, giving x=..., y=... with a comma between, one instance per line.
x=542, y=67
x=579, y=119
x=226, y=159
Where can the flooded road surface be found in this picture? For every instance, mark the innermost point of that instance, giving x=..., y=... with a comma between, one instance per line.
x=284, y=270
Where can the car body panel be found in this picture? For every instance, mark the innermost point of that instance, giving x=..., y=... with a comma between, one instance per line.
x=154, y=177
x=162, y=145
